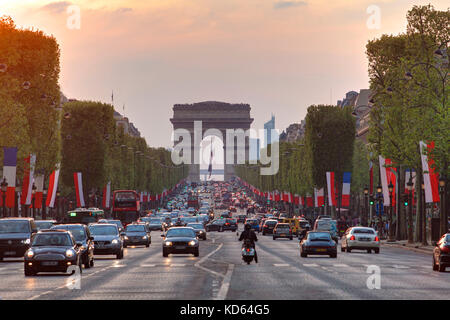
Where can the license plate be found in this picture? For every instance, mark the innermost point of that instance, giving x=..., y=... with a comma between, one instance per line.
x=283, y=234
x=50, y=263
x=321, y=250
x=364, y=239
x=180, y=247
x=9, y=253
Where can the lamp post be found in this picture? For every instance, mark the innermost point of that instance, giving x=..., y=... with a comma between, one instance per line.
x=58, y=193
x=424, y=216
x=16, y=201
x=366, y=206
x=380, y=202
x=4, y=188
x=44, y=209
x=391, y=229
x=443, y=214
x=33, y=193
x=409, y=186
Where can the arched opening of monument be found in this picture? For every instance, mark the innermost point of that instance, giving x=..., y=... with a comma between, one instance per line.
x=214, y=158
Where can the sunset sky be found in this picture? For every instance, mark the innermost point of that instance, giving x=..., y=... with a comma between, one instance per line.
x=279, y=56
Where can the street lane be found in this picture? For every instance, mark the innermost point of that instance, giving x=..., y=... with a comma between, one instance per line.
x=219, y=273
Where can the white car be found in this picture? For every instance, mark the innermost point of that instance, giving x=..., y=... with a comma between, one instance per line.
x=360, y=238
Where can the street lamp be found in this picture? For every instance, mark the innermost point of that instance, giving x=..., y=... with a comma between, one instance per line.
x=391, y=230
x=380, y=201
x=44, y=208
x=444, y=223
x=4, y=188
x=409, y=187
x=366, y=206
x=33, y=192
x=58, y=193
x=424, y=215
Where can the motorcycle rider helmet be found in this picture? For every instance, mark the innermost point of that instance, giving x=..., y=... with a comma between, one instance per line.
x=247, y=226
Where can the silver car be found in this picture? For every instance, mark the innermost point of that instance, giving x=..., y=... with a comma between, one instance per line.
x=360, y=238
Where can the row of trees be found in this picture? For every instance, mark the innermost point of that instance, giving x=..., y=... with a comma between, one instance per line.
x=81, y=136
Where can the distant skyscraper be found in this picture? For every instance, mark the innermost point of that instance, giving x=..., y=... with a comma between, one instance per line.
x=254, y=149
x=268, y=126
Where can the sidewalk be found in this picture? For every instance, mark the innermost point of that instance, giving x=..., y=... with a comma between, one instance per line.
x=417, y=246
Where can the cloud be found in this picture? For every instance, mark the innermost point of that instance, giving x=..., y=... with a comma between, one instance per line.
x=289, y=4
x=124, y=10
x=56, y=7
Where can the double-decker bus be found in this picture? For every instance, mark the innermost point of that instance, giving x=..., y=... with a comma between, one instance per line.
x=84, y=216
x=126, y=206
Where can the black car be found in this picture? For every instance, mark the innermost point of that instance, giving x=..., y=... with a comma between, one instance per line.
x=241, y=218
x=230, y=224
x=83, y=237
x=137, y=234
x=52, y=251
x=441, y=253
x=199, y=230
x=107, y=239
x=317, y=242
x=44, y=224
x=180, y=240
x=215, y=225
x=268, y=226
x=15, y=235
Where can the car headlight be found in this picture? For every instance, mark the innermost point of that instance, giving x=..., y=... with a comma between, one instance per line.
x=200, y=231
x=192, y=243
x=115, y=241
x=26, y=241
x=168, y=243
x=69, y=253
x=125, y=237
x=30, y=254
x=144, y=237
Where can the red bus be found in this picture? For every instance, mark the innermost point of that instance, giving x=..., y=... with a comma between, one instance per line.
x=126, y=206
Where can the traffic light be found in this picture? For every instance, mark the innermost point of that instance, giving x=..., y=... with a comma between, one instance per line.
x=405, y=200
x=371, y=201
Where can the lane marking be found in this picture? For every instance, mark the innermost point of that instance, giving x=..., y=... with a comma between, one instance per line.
x=340, y=265
x=281, y=265
x=400, y=267
x=178, y=265
x=310, y=265
x=148, y=265
x=197, y=264
x=225, y=284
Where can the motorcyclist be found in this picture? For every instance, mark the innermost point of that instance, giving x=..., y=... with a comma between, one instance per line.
x=249, y=234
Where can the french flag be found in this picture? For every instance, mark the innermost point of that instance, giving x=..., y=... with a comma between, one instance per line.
x=331, y=189
x=107, y=196
x=39, y=195
x=52, y=189
x=430, y=178
x=25, y=197
x=318, y=197
x=346, y=178
x=9, y=173
x=77, y=177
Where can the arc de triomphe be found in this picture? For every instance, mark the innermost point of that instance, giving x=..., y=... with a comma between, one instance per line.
x=213, y=115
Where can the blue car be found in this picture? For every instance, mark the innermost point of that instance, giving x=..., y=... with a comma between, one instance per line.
x=254, y=223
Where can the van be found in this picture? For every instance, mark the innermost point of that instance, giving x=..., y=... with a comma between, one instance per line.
x=15, y=236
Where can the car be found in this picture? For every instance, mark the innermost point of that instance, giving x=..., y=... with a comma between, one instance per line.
x=441, y=253
x=118, y=223
x=15, y=235
x=199, y=230
x=187, y=220
x=107, y=239
x=254, y=224
x=82, y=236
x=318, y=242
x=155, y=224
x=44, y=224
x=179, y=240
x=225, y=215
x=282, y=230
x=137, y=234
x=52, y=251
x=303, y=228
x=360, y=238
x=230, y=224
x=215, y=225
x=241, y=218
x=268, y=226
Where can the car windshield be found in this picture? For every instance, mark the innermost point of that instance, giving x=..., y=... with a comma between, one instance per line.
x=76, y=231
x=366, y=231
x=180, y=232
x=102, y=230
x=135, y=228
x=155, y=221
x=319, y=236
x=195, y=225
x=11, y=226
x=58, y=240
x=43, y=224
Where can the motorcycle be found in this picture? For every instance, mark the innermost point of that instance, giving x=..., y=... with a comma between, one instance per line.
x=248, y=252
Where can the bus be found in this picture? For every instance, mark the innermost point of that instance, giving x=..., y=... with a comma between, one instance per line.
x=126, y=206
x=84, y=216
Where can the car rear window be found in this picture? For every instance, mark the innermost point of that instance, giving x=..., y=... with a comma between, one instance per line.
x=271, y=223
x=365, y=231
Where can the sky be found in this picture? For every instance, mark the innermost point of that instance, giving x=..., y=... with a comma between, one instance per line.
x=279, y=56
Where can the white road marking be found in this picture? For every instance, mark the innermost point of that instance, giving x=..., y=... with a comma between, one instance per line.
x=178, y=265
x=148, y=265
x=281, y=265
x=340, y=265
x=400, y=267
x=225, y=284
x=310, y=265
x=197, y=264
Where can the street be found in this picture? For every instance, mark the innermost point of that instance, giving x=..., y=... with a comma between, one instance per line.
x=219, y=273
